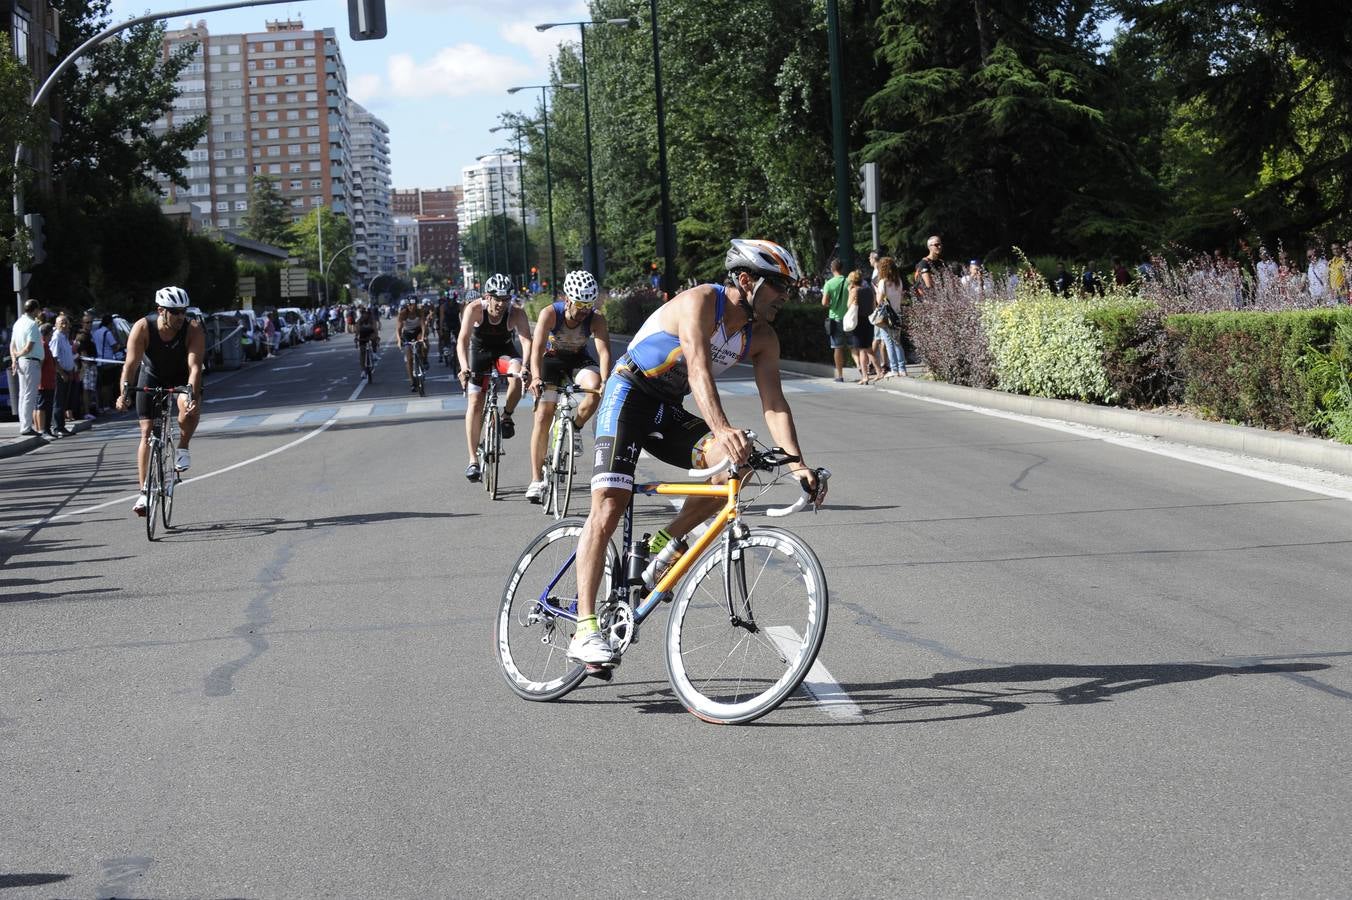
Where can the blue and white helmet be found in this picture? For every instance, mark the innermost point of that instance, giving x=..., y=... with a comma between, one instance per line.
x=171, y=298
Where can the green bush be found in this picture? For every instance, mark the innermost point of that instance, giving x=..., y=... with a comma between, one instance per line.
x=1138, y=356
x=625, y=314
x=802, y=333
x=1046, y=347
x=1255, y=367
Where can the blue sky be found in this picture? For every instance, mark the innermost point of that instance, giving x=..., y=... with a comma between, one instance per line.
x=440, y=78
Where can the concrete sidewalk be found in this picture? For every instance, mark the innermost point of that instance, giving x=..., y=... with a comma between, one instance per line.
x=1279, y=446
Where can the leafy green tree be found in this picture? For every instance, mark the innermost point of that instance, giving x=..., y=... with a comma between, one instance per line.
x=481, y=246
x=109, y=105
x=303, y=242
x=17, y=125
x=268, y=218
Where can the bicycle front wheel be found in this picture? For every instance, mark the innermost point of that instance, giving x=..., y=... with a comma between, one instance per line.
x=744, y=631
x=494, y=453
x=567, y=465
x=530, y=638
x=154, y=487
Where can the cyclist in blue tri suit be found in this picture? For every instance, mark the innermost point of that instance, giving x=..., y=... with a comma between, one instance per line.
x=698, y=334
x=559, y=355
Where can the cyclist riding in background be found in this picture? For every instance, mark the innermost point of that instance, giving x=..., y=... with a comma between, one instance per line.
x=559, y=355
x=448, y=321
x=486, y=330
x=366, y=329
x=698, y=334
x=411, y=333
x=164, y=350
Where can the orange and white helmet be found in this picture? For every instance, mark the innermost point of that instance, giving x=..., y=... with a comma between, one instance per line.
x=762, y=258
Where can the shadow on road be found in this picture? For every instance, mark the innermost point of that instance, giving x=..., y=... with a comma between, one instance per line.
x=249, y=528
x=29, y=879
x=974, y=693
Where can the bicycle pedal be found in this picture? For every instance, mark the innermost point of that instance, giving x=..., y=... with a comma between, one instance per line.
x=601, y=673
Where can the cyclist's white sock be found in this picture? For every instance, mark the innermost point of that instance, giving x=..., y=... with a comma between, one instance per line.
x=587, y=625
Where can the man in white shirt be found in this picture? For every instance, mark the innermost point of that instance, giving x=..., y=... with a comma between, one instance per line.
x=1266, y=271
x=26, y=351
x=1317, y=275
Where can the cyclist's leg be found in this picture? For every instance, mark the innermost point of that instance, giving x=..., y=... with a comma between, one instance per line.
x=408, y=360
x=146, y=409
x=187, y=421
x=552, y=376
x=510, y=366
x=588, y=378
x=479, y=363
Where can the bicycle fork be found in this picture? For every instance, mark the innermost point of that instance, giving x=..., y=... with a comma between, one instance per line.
x=734, y=580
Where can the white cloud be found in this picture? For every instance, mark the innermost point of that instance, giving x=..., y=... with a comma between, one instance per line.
x=541, y=45
x=461, y=70
x=366, y=89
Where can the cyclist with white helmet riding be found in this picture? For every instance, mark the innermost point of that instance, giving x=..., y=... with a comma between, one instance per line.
x=698, y=334
x=487, y=328
x=559, y=356
x=164, y=350
x=411, y=334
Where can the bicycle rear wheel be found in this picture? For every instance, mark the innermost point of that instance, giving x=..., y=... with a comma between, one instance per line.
x=154, y=485
x=732, y=672
x=564, y=472
x=532, y=641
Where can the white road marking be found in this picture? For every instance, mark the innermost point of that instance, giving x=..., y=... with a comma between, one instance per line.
x=819, y=683
x=289, y=368
x=1316, y=481
x=88, y=509
x=228, y=399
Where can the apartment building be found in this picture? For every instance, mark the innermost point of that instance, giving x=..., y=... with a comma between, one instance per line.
x=372, y=220
x=34, y=28
x=427, y=201
x=492, y=187
x=277, y=102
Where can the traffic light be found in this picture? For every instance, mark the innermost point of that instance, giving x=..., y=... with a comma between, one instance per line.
x=37, y=241
x=868, y=187
x=366, y=19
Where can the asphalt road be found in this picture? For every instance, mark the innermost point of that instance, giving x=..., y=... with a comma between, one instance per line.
x=1067, y=668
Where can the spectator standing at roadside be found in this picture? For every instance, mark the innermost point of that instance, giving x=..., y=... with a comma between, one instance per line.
x=861, y=338
x=107, y=348
x=978, y=281
x=835, y=297
x=89, y=372
x=891, y=293
x=26, y=352
x=1317, y=275
x=1121, y=274
x=42, y=416
x=1337, y=273
x=930, y=270
x=67, y=380
x=1265, y=272
x=1063, y=281
x=1090, y=283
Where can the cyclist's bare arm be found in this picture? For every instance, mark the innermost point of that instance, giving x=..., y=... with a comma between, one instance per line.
x=601, y=333
x=543, y=326
x=522, y=325
x=695, y=326
x=467, y=322
x=197, y=349
x=137, y=342
x=778, y=416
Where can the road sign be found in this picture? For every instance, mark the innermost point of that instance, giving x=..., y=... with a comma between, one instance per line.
x=248, y=286
x=295, y=282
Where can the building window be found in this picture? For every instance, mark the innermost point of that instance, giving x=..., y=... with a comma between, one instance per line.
x=274, y=150
x=316, y=183
x=314, y=166
x=275, y=169
x=294, y=185
x=269, y=63
x=232, y=50
x=223, y=206
x=311, y=78
x=270, y=99
x=293, y=149
x=293, y=115
x=312, y=148
x=272, y=115
x=232, y=67
x=307, y=45
x=312, y=131
x=241, y=205
x=214, y=50
x=269, y=46
x=270, y=81
x=293, y=168
x=293, y=132
x=312, y=97
x=293, y=98
x=237, y=153
x=289, y=63
x=274, y=133
x=316, y=201
x=309, y=62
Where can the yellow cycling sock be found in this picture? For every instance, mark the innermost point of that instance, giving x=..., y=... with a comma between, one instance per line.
x=658, y=541
x=587, y=625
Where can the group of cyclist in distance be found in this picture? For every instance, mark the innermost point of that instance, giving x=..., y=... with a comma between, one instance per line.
x=638, y=404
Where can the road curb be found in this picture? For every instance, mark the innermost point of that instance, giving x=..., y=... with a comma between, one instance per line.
x=1293, y=449
x=21, y=445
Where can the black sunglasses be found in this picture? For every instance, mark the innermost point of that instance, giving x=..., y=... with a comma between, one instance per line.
x=174, y=312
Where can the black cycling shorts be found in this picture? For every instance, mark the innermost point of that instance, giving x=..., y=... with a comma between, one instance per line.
x=559, y=369
x=629, y=421
x=146, y=405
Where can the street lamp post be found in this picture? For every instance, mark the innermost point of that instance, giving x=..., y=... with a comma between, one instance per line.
x=586, y=118
x=323, y=278
x=521, y=195
x=549, y=183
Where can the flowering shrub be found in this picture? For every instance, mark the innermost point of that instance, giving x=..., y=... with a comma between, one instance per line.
x=946, y=329
x=1046, y=346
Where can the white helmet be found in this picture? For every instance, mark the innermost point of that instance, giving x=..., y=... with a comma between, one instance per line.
x=580, y=286
x=762, y=258
x=499, y=286
x=171, y=298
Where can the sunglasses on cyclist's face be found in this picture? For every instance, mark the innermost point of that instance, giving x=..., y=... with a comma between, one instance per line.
x=173, y=312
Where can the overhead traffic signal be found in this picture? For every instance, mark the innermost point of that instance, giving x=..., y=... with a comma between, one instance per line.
x=869, y=187
x=366, y=19
x=37, y=241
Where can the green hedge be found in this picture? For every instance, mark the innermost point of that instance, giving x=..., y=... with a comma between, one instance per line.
x=1254, y=367
x=1138, y=357
x=1046, y=347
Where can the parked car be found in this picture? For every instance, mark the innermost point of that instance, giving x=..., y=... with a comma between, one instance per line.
x=251, y=336
x=293, y=326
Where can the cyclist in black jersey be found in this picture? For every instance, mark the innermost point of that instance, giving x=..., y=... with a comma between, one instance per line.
x=164, y=350
x=487, y=328
x=411, y=333
x=366, y=329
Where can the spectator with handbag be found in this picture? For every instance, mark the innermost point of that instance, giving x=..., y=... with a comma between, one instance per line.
x=887, y=318
x=858, y=328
